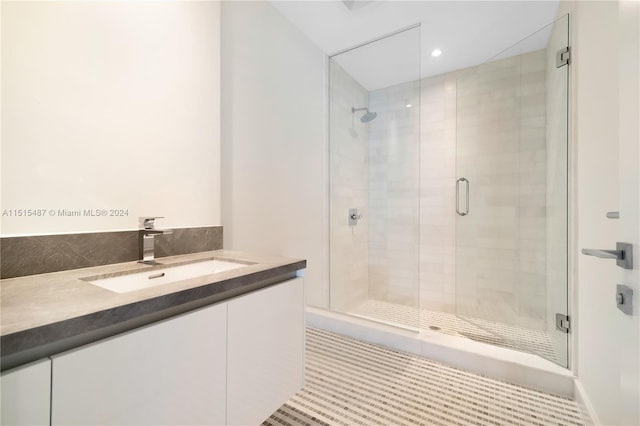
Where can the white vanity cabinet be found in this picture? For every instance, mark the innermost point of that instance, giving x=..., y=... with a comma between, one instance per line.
x=167, y=373
x=265, y=361
x=231, y=363
x=26, y=395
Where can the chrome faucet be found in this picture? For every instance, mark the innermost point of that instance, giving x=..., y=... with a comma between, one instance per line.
x=146, y=239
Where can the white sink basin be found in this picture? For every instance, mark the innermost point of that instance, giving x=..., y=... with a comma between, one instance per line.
x=156, y=277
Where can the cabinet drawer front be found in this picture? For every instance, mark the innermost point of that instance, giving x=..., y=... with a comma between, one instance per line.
x=168, y=373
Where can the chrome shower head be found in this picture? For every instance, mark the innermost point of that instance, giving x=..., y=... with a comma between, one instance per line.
x=367, y=117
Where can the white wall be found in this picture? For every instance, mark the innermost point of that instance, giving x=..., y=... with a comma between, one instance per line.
x=605, y=106
x=273, y=140
x=110, y=105
x=629, y=180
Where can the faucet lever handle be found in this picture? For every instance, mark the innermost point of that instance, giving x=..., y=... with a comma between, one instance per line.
x=148, y=222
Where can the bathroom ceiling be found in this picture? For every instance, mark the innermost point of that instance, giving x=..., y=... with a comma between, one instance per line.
x=468, y=32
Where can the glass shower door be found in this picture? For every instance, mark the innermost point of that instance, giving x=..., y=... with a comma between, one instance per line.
x=511, y=195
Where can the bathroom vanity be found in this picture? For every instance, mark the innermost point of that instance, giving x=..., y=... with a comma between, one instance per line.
x=225, y=348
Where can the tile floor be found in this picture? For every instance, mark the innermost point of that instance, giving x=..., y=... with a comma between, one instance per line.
x=349, y=382
x=504, y=335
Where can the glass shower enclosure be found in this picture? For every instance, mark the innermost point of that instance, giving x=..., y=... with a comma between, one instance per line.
x=448, y=192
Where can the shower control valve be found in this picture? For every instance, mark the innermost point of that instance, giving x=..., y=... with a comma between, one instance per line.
x=354, y=216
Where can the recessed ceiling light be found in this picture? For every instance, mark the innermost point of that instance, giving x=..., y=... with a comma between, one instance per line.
x=436, y=52
x=408, y=106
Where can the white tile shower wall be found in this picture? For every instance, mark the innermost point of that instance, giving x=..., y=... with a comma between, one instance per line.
x=437, y=183
x=501, y=244
x=532, y=188
x=394, y=230
x=349, y=170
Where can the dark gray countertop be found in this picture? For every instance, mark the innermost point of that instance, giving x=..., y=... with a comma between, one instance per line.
x=49, y=313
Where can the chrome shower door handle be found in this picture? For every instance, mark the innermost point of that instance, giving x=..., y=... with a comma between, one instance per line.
x=466, y=181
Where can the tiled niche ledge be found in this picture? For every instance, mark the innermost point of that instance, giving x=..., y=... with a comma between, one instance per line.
x=40, y=254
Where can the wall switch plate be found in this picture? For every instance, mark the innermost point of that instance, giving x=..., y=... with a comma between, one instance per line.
x=624, y=296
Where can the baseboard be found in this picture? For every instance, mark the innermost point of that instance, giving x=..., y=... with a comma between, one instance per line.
x=584, y=403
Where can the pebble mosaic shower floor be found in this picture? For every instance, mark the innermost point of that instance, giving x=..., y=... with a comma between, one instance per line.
x=349, y=382
x=518, y=338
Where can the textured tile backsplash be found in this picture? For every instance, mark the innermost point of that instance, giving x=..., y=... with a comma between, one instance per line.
x=40, y=254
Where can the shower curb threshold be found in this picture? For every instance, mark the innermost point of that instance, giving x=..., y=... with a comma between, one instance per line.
x=490, y=361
